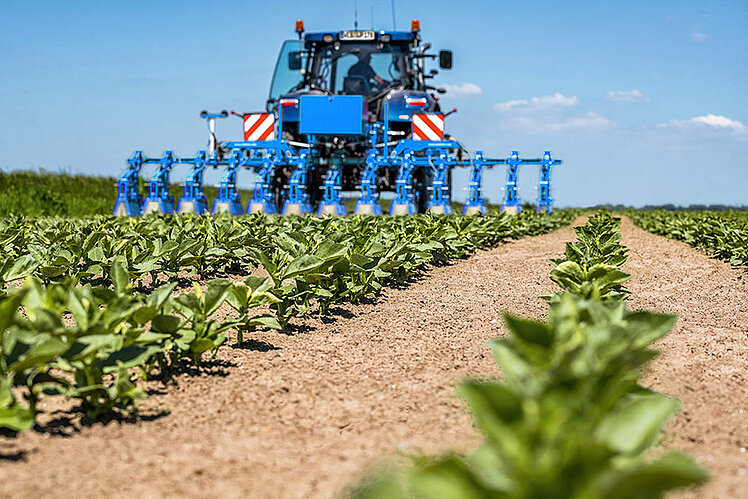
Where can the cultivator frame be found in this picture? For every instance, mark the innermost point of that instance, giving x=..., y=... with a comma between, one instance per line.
x=265, y=157
x=420, y=161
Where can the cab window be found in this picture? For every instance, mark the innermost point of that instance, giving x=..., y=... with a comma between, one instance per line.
x=284, y=78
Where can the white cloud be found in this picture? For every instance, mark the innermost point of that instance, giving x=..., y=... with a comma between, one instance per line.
x=718, y=121
x=465, y=89
x=552, y=113
x=626, y=96
x=698, y=37
x=708, y=121
x=542, y=102
x=708, y=126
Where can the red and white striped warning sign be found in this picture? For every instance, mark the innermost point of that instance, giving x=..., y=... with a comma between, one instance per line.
x=259, y=126
x=428, y=126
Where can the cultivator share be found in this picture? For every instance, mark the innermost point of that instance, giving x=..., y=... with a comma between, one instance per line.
x=347, y=111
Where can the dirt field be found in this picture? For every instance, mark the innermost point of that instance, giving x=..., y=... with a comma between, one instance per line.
x=302, y=415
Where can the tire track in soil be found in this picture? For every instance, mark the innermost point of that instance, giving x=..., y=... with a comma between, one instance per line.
x=704, y=360
x=303, y=415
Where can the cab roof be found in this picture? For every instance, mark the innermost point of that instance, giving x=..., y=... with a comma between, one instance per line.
x=395, y=36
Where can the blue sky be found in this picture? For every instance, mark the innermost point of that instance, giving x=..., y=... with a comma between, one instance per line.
x=646, y=101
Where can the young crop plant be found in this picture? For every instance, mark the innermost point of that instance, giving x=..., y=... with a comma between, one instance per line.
x=591, y=267
x=84, y=342
x=244, y=296
x=12, y=269
x=570, y=418
x=77, y=329
x=87, y=360
x=53, y=249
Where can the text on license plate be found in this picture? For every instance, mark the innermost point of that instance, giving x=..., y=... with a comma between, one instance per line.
x=358, y=35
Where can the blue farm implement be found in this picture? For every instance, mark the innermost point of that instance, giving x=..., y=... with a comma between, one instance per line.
x=348, y=111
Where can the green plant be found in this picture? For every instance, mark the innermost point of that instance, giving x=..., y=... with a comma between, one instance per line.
x=591, y=267
x=723, y=234
x=198, y=333
x=569, y=418
x=82, y=332
x=245, y=296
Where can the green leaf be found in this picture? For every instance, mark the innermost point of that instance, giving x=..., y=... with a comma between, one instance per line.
x=120, y=276
x=161, y=295
x=651, y=480
x=168, y=247
x=124, y=391
x=265, y=320
x=238, y=297
x=9, y=307
x=304, y=264
x=151, y=338
x=22, y=267
x=384, y=486
x=635, y=423
x=40, y=353
x=491, y=403
x=16, y=418
x=188, y=304
x=514, y=367
x=78, y=309
x=607, y=275
x=491, y=469
x=330, y=251
x=128, y=357
x=143, y=314
x=186, y=337
x=449, y=477
x=202, y=345
x=569, y=270
x=258, y=284
x=50, y=271
x=530, y=331
x=165, y=324
x=96, y=254
x=648, y=327
x=215, y=294
x=95, y=345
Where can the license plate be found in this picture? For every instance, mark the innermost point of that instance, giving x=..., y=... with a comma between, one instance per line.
x=358, y=35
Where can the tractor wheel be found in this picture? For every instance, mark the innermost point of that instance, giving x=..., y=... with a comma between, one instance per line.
x=420, y=190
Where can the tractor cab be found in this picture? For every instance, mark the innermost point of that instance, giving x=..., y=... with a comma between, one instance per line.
x=381, y=66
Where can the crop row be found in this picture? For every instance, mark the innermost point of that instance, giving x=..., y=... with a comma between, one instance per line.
x=78, y=329
x=569, y=418
x=82, y=342
x=162, y=247
x=719, y=233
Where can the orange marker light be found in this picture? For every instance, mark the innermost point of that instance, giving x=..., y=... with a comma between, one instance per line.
x=299, y=26
x=415, y=25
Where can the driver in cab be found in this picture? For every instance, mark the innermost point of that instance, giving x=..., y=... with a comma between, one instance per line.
x=363, y=68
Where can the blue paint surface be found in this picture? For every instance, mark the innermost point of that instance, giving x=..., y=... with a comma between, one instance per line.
x=331, y=114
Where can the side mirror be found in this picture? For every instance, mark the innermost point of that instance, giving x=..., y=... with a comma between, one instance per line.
x=445, y=59
x=294, y=61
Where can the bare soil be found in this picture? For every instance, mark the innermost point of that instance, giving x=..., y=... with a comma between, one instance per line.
x=304, y=414
x=704, y=360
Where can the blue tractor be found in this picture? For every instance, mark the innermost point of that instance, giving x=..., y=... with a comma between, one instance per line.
x=348, y=111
